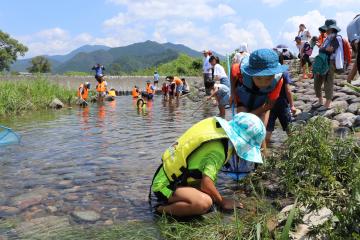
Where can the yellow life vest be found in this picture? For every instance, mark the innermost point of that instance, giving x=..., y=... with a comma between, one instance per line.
x=112, y=93
x=175, y=157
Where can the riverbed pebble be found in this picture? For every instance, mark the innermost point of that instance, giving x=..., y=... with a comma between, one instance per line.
x=86, y=216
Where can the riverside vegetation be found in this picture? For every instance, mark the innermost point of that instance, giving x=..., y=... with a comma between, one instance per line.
x=23, y=95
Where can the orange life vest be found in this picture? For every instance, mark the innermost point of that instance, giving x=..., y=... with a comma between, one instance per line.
x=177, y=81
x=85, y=92
x=149, y=90
x=101, y=87
x=321, y=39
x=236, y=73
x=135, y=92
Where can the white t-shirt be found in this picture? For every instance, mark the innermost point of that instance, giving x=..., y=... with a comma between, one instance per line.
x=238, y=57
x=219, y=72
x=206, y=65
x=304, y=35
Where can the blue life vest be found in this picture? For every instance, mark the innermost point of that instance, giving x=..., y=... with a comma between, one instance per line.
x=253, y=97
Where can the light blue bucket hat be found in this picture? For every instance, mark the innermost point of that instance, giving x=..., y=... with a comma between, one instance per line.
x=246, y=132
x=263, y=62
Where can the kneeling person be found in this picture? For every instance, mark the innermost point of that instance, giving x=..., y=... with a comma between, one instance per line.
x=185, y=183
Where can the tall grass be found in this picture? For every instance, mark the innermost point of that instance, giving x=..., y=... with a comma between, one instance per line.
x=28, y=95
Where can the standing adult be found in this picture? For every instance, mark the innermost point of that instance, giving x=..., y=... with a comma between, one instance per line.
x=156, y=78
x=303, y=33
x=219, y=71
x=243, y=53
x=331, y=53
x=207, y=69
x=353, y=32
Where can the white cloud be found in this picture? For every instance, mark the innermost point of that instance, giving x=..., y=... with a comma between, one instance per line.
x=156, y=10
x=119, y=20
x=343, y=19
x=273, y=3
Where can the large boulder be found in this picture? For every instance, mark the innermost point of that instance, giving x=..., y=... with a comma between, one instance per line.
x=56, y=103
x=304, y=116
x=345, y=119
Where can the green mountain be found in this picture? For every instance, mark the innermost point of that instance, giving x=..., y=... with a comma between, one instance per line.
x=119, y=60
x=56, y=60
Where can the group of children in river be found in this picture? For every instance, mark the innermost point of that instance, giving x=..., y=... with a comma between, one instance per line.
x=258, y=90
x=184, y=184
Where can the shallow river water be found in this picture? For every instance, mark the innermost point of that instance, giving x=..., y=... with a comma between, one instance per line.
x=101, y=158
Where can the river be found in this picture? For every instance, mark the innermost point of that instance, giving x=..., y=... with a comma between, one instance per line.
x=101, y=158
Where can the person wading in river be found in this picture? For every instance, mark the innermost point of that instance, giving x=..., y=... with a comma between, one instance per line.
x=184, y=184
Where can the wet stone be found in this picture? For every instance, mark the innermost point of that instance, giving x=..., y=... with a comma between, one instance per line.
x=34, y=197
x=43, y=228
x=86, y=216
x=8, y=211
x=71, y=197
x=52, y=209
x=56, y=103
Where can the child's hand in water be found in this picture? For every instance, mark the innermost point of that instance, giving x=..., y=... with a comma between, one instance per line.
x=229, y=204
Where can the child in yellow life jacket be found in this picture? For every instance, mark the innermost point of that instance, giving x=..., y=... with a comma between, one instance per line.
x=184, y=184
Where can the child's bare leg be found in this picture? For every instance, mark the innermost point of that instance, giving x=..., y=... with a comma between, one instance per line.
x=187, y=201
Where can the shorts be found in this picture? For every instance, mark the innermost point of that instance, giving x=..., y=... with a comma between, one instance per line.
x=101, y=94
x=179, y=88
x=280, y=111
x=224, y=100
x=306, y=59
x=156, y=82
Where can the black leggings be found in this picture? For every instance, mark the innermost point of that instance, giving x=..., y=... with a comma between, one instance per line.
x=306, y=59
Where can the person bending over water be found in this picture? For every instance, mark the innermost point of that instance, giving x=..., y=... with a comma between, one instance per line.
x=222, y=94
x=184, y=184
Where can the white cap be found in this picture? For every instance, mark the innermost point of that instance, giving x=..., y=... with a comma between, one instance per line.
x=243, y=47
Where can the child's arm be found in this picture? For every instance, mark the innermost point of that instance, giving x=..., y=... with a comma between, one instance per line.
x=289, y=96
x=264, y=108
x=213, y=93
x=352, y=74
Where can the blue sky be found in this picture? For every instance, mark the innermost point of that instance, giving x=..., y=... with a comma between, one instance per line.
x=57, y=27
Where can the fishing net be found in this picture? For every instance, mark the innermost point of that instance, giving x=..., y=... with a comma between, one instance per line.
x=8, y=136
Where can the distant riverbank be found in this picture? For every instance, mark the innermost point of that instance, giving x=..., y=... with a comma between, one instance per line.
x=123, y=83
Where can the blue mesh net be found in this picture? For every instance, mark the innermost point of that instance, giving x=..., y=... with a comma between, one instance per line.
x=8, y=136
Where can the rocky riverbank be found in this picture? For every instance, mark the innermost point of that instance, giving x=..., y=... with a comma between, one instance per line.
x=345, y=110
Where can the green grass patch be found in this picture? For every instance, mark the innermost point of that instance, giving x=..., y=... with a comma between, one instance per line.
x=74, y=74
x=184, y=65
x=29, y=95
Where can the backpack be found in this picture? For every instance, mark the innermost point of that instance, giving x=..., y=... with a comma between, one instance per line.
x=321, y=64
x=347, y=51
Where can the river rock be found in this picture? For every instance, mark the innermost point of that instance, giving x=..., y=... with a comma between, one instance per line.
x=357, y=122
x=356, y=83
x=335, y=124
x=355, y=100
x=86, y=216
x=52, y=209
x=328, y=113
x=354, y=107
x=345, y=119
x=56, y=103
x=8, y=211
x=304, y=116
x=43, y=228
x=339, y=106
x=34, y=197
x=341, y=132
x=339, y=94
x=316, y=218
